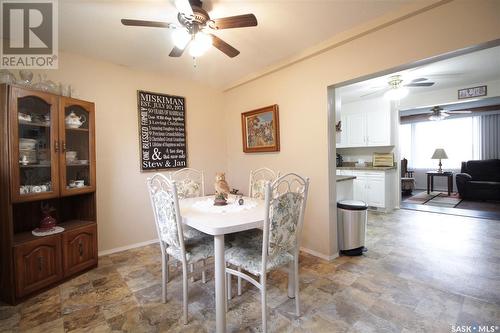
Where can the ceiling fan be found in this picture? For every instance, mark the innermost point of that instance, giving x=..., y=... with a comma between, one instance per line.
x=438, y=113
x=195, y=27
x=396, y=88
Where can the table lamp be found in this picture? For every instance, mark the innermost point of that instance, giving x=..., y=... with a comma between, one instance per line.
x=439, y=154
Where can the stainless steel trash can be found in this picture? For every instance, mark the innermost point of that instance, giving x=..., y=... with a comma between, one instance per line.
x=351, y=221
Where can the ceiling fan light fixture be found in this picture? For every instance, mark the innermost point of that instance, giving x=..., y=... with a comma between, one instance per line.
x=201, y=43
x=396, y=94
x=180, y=37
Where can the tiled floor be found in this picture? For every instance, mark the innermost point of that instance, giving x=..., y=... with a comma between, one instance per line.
x=423, y=273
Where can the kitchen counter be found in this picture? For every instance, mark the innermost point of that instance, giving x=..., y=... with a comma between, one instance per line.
x=345, y=187
x=344, y=178
x=372, y=168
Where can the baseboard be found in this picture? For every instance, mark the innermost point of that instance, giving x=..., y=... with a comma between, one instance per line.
x=319, y=255
x=127, y=247
x=135, y=245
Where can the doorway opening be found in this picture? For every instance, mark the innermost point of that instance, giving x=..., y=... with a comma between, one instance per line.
x=429, y=132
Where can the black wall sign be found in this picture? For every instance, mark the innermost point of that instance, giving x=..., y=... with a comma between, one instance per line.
x=162, y=131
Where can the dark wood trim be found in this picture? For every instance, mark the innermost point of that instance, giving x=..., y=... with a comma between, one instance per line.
x=6, y=227
x=275, y=110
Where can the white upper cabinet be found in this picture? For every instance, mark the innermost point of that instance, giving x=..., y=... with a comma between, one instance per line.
x=366, y=123
x=355, y=127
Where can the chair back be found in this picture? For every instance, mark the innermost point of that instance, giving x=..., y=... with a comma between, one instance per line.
x=404, y=167
x=284, y=215
x=258, y=179
x=190, y=183
x=163, y=195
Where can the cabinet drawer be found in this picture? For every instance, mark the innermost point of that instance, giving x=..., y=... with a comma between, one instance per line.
x=37, y=264
x=79, y=249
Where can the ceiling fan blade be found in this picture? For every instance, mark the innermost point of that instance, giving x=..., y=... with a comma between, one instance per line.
x=142, y=23
x=224, y=47
x=184, y=7
x=420, y=79
x=462, y=111
x=420, y=84
x=177, y=52
x=239, y=21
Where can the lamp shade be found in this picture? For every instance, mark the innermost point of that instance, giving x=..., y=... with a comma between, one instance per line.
x=439, y=154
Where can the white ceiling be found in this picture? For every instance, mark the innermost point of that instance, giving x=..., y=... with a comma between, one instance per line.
x=480, y=66
x=285, y=28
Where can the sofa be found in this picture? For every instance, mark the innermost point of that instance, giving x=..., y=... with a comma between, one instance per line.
x=479, y=180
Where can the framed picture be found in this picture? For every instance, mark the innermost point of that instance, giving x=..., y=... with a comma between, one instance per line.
x=261, y=130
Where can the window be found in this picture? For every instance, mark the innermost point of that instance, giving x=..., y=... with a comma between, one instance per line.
x=458, y=137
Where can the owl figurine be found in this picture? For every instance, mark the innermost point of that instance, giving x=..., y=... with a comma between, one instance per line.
x=221, y=186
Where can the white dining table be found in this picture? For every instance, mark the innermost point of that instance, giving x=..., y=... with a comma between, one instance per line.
x=219, y=222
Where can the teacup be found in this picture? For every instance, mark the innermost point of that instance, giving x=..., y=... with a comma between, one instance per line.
x=79, y=183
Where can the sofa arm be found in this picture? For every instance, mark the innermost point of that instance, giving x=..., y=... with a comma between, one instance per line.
x=462, y=179
x=465, y=177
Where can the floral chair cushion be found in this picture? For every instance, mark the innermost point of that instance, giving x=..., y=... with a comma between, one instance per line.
x=258, y=189
x=188, y=188
x=196, y=250
x=253, y=236
x=248, y=256
x=284, y=213
x=192, y=233
x=163, y=202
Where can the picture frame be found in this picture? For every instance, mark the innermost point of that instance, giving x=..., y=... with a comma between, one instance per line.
x=260, y=130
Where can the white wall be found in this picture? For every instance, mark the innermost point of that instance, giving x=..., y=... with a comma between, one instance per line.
x=445, y=96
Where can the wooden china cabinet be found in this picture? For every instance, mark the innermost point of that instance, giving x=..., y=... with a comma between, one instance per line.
x=47, y=160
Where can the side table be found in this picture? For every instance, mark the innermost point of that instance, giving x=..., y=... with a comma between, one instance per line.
x=430, y=180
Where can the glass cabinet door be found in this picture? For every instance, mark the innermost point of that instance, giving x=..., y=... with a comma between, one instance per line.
x=77, y=140
x=34, y=143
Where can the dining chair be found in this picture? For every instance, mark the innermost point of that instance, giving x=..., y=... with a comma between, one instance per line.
x=190, y=184
x=256, y=190
x=279, y=243
x=258, y=179
x=165, y=203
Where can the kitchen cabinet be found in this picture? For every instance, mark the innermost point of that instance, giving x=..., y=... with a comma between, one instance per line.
x=47, y=164
x=372, y=187
x=365, y=125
